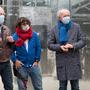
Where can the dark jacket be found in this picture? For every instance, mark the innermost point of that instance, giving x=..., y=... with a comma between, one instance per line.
x=5, y=51
x=68, y=64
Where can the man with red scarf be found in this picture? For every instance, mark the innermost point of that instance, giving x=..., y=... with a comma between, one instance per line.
x=26, y=54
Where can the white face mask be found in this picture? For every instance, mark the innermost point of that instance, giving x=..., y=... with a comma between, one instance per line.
x=66, y=20
x=25, y=27
x=2, y=19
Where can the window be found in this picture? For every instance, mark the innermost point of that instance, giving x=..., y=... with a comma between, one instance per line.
x=38, y=3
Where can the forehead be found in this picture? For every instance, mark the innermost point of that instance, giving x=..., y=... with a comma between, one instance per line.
x=24, y=23
x=65, y=13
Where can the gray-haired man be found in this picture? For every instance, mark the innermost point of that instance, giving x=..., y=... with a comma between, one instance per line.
x=67, y=39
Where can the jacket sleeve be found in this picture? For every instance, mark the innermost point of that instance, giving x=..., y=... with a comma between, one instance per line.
x=13, y=55
x=52, y=45
x=38, y=48
x=81, y=40
x=15, y=36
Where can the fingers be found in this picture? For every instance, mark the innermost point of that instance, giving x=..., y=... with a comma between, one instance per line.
x=68, y=46
x=0, y=40
x=18, y=64
x=10, y=39
x=63, y=48
x=35, y=64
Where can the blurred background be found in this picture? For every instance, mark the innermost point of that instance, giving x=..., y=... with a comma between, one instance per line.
x=42, y=14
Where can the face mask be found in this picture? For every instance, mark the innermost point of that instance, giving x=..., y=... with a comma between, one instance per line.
x=2, y=19
x=66, y=20
x=25, y=27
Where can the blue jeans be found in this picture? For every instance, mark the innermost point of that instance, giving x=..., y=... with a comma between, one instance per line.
x=74, y=84
x=34, y=73
x=6, y=75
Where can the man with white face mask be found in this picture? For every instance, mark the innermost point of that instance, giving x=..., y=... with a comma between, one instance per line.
x=5, y=52
x=67, y=39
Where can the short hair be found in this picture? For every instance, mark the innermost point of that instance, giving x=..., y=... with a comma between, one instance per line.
x=22, y=20
x=59, y=12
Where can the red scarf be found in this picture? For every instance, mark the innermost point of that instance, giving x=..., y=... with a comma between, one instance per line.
x=23, y=35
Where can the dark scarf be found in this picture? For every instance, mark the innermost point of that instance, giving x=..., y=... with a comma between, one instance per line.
x=63, y=31
x=23, y=35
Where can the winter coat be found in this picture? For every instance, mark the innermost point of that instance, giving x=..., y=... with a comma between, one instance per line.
x=5, y=50
x=33, y=54
x=67, y=64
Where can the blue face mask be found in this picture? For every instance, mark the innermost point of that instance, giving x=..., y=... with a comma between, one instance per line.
x=66, y=20
x=2, y=19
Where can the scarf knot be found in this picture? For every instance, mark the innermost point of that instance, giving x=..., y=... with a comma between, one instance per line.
x=23, y=35
x=63, y=32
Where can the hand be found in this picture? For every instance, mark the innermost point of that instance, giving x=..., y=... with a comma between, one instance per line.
x=10, y=39
x=18, y=64
x=0, y=40
x=36, y=63
x=63, y=48
x=68, y=46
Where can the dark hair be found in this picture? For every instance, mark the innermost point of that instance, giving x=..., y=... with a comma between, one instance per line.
x=22, y=20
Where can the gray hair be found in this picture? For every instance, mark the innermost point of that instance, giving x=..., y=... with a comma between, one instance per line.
x=59, y=12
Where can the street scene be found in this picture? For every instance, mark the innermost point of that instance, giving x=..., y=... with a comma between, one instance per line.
x=43, y=17
x=50, y=83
